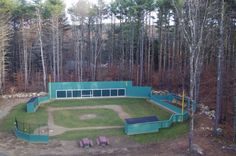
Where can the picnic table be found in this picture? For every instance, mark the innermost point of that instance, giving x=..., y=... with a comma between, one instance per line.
x=85, y=142
x=102, y=141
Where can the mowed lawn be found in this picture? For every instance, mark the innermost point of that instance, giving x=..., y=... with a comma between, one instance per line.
x=86, y=118
x=135, y=107
x=175, y=131
x=19, y=112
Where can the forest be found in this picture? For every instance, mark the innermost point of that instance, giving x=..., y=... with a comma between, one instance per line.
x=172, y=45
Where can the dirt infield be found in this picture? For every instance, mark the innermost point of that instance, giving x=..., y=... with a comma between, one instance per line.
x=56, y=129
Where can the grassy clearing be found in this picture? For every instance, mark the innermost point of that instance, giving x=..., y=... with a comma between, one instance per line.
x=135, y=107
x=75, y=135
x=145, y=108
x=19, y=112
x=93, y=102
x=71, y=118
x=177, y=130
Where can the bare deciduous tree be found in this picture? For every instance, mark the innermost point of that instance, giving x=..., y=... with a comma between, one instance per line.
x=39, y=29
x=234, y=102
x=4, y=39
x=219, y=69
x=193, y=17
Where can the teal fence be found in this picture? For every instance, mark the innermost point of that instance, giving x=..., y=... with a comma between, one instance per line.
x=31, y=132
x=31, y=137
x=149, y=127
x=160, y=100
x=189, y=101
x=33, y=104
x=43, y=99
x=75, y=90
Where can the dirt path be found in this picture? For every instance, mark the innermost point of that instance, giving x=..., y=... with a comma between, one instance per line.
x=56, y=130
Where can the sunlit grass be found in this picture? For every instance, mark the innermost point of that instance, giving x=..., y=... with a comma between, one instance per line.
x=72, y=118
x=19, y=112
x=135, y=107
x=175, y=131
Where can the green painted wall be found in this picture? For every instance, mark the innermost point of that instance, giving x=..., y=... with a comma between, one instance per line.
x=136, y=91
x=33, y=104
x=31, y=137
x=130, y=89
x=53, y=86
x=141, y=128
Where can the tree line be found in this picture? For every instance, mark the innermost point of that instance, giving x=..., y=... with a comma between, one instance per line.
x=169, y=44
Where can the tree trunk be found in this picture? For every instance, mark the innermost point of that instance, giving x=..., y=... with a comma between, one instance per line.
x=81, y=50
x=234, y=100
x=141, y=49
x=25, y=55
x=192, y=83
x=39, y=27
x=77, y=50
x=195, y=12
x=57, y=51
x=53, y=49
x=160, y=42
x=219, y=70
x=149, y=49
x=4, y=38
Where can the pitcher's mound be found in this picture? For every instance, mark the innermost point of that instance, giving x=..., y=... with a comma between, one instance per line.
x=87, y=116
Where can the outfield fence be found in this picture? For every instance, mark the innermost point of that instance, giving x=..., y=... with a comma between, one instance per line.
x=33, y=104
x=149, y=127
x=31, y=132
x=80, y=90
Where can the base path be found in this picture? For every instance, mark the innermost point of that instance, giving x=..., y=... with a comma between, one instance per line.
x=56, y=130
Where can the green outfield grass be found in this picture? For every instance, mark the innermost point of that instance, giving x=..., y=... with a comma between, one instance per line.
x=135, y=107
x=75, y=135
x=72, y=118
